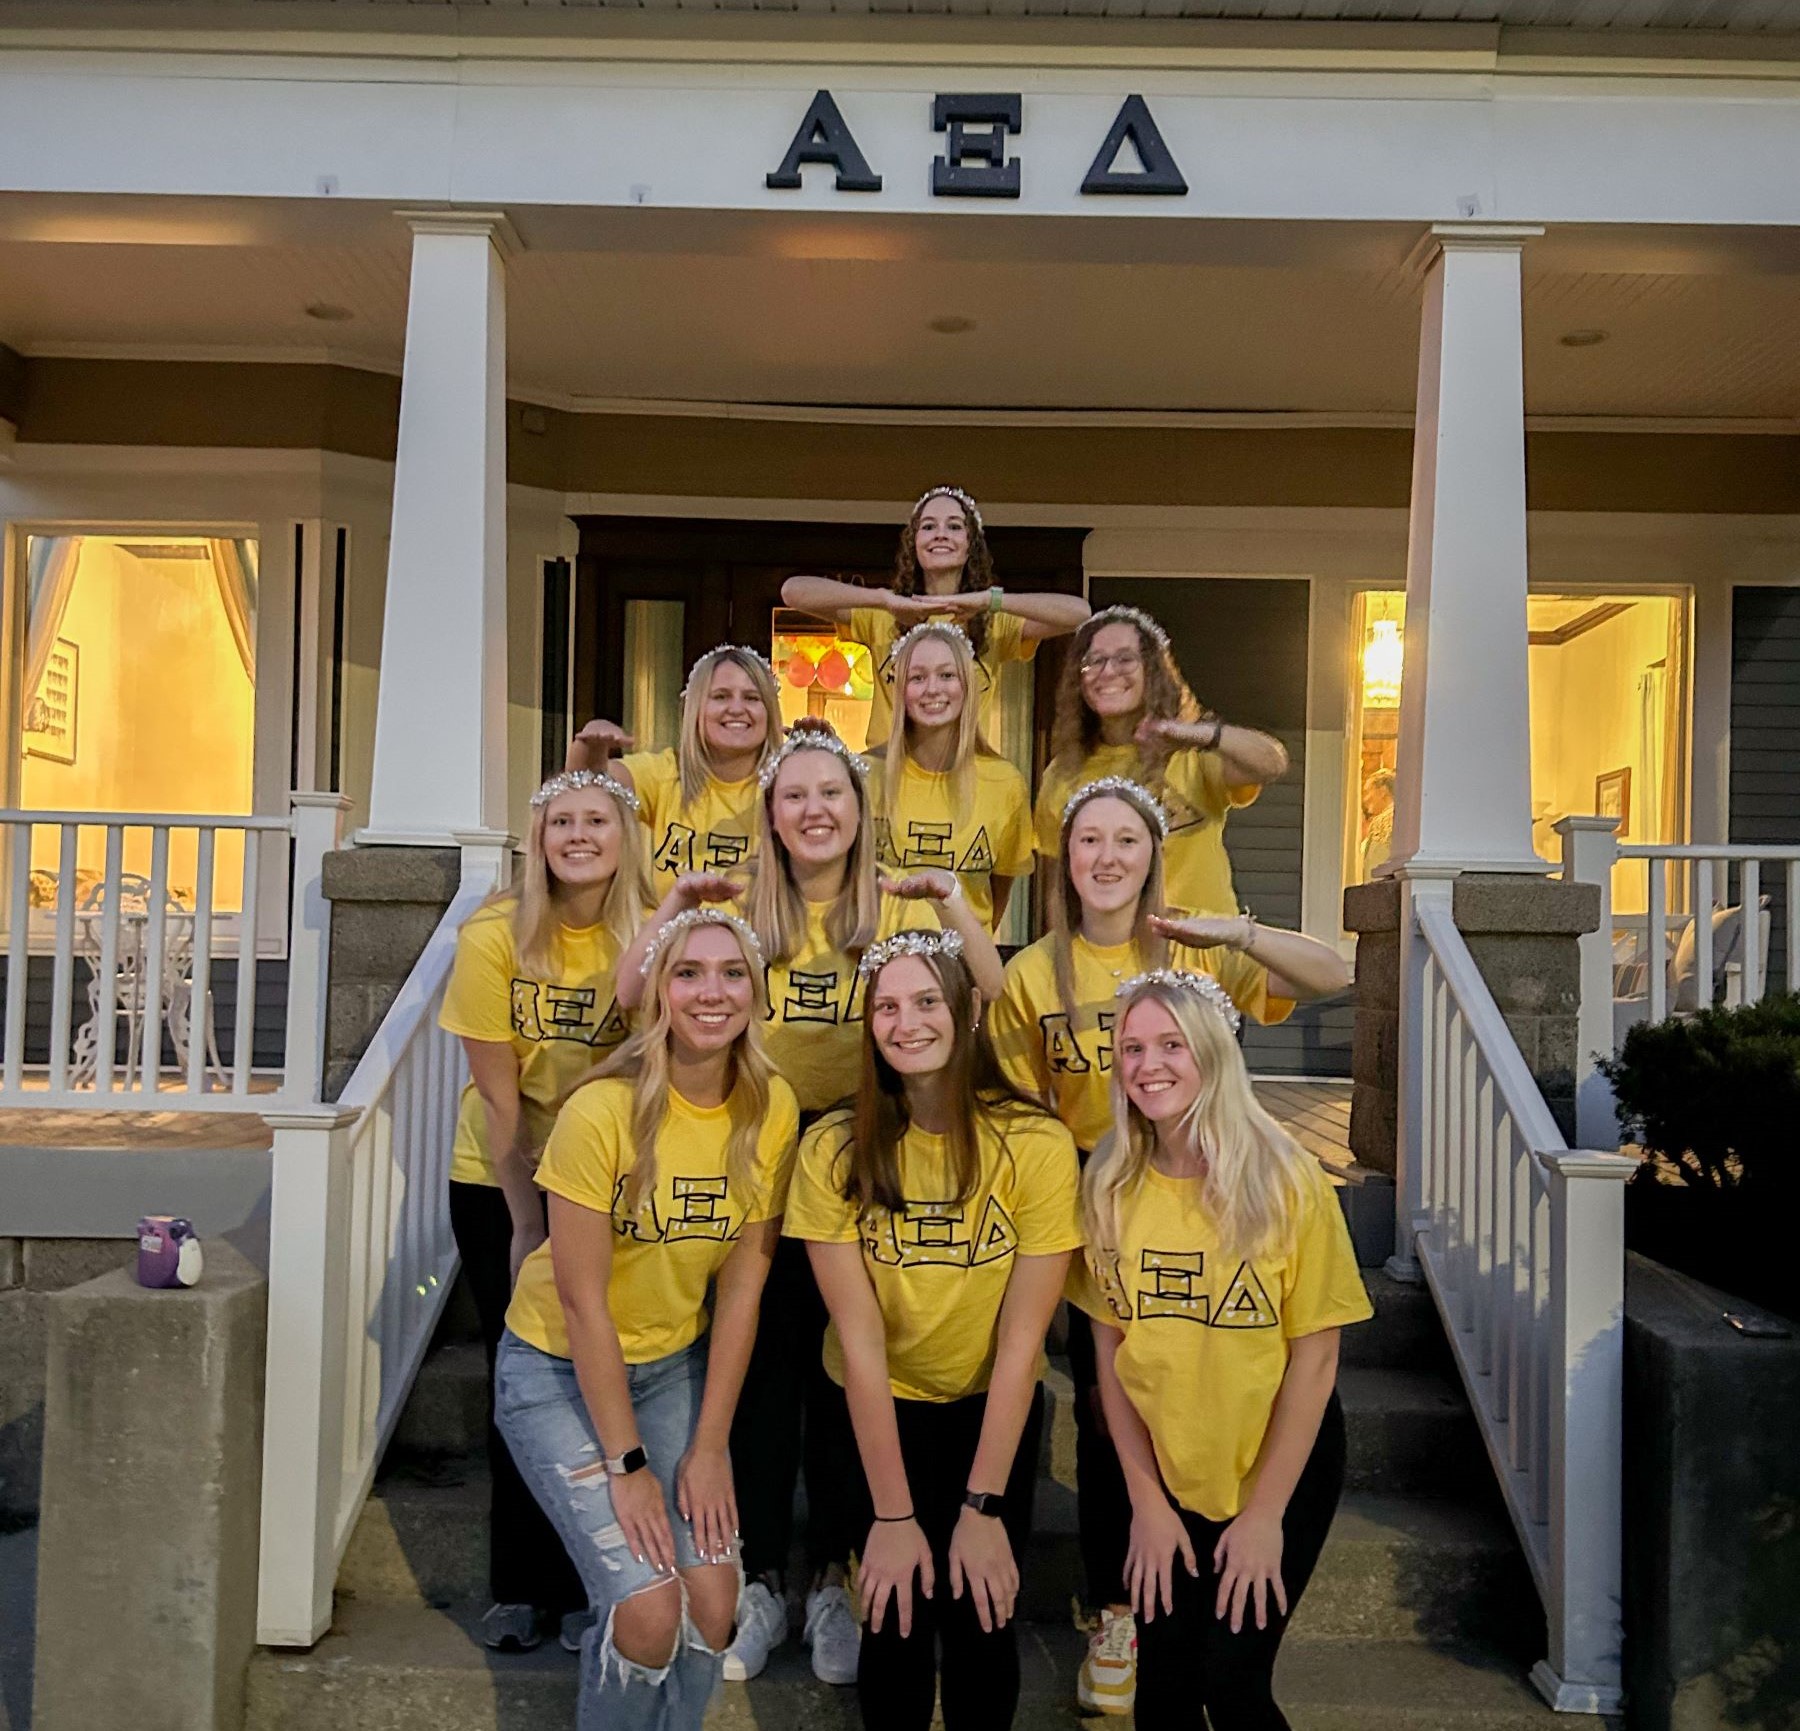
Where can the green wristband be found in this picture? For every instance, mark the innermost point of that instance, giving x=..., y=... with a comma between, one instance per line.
x=995, y=596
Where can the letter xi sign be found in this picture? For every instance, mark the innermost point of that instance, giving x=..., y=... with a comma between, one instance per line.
x=974, y=163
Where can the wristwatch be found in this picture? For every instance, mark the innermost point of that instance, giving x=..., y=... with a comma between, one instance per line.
x=617, y=1466
x=984, y=1502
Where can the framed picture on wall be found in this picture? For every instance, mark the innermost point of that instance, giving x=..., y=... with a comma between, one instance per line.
x=1612, y=796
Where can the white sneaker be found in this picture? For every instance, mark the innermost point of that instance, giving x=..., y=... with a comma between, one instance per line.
x=833, y=1633
x=1108, y=1679
x=762, y=1626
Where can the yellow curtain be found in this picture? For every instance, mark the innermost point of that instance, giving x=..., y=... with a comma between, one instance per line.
x=234, y=570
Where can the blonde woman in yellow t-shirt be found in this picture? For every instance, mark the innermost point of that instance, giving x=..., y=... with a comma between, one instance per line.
x=630, y=1330
x=1053, y=1032
x=531, y=994
x=939, y=1216
x=942, y=571
x=1123, y=709
x=948, y=801
x=698, y=800
x=1218, y=1272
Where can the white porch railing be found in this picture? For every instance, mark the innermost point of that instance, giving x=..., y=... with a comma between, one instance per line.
x=360, y=1263
x=132, y=953
x=1697, y=941
x=1522, y=1243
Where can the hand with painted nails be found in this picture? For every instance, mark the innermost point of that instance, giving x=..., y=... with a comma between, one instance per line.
x=643, y=1517
x=707, y=1499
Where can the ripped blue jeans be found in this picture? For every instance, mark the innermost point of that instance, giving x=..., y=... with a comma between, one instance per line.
x=539, y=1410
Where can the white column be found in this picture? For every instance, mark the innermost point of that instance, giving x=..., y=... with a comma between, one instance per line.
x=1463, y=791
x=440, y=716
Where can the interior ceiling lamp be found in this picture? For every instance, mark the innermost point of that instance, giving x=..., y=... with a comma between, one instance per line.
x=1382, y=659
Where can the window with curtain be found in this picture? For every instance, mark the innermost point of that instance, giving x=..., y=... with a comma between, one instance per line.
x=137, y=682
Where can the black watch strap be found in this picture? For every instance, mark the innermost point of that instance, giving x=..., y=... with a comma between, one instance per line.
x=984, y=1502
x=617, y=1466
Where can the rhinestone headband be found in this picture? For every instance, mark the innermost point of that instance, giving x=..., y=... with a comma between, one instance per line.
x=1201, y=985
x=926, y=628
x=915, y=943
x=712, y=657
x=1130, y=616
x=686, y=922
x=802, y=738
x=572, y=780
x=1134, y=794
x=969, y=506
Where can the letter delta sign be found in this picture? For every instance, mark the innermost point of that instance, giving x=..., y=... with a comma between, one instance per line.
x=975, y=163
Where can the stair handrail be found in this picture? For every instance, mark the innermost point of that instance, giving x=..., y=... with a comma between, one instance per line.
x=361, y=1260
x=1521, y=1241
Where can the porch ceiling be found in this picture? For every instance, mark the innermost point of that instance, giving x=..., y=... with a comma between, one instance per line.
x=711, y=310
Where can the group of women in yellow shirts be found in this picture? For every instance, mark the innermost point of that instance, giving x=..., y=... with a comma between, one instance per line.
x=769, y=1166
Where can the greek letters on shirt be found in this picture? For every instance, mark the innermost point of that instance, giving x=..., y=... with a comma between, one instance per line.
x=699, y=1211
x=720, y=850
x=934, y=845
x=1062, y=1050
x=814, y=997
x=1172, y=1284
x=546, y=1012
x=938, y=1235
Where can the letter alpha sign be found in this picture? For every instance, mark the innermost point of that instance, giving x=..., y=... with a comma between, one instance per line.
x=974, y=163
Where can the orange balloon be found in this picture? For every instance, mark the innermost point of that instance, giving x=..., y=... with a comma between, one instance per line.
x=801, y=672
x=834, y=670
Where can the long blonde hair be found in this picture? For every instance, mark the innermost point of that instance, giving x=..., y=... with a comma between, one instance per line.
x=1065, y=900
x=1254, y=1185
x=531, y=896
x=644, y=1059
x=690, y=748
x=969, y=742
x=777, y=910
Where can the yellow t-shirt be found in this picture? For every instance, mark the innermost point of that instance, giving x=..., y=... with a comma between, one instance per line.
x=558, y=1027
x=1005, y=641
x=1198, y=799
x=717, y=833
x=814, y=1034
x=1206, y=1335
x=991, y=838
x=665, y=1256
x=1069, y=1060
x=941, y=1269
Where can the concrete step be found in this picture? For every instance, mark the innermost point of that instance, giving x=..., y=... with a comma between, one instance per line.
x=410, y=1668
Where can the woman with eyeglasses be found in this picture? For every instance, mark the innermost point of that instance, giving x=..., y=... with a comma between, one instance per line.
x=1123, y=709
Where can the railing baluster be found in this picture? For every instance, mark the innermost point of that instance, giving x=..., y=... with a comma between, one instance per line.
x=1792, y=912
x=356, y=1288
x=243, y=1034
x=1541, y=1358
x=199, y=1009
x=156, y=940
x=1656, y=943
x=1751, y=928
x=1703, y=932
x=18, y=953
x=1503, y=1265
x=1482, y=1188
x=62, y=979
x=1524, y=1335
x=106, y=996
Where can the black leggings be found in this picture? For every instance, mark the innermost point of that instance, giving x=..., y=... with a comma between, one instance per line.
x=1192, y=1671
x=1102, y=1503
x=776, y=1430
x=898, y=1675
x=527, y=1564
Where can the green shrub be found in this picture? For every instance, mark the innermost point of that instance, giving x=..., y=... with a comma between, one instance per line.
x=1716, y=1097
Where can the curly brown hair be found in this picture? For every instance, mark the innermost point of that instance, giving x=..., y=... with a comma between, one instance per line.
x=977, y=571
x=1076, y=730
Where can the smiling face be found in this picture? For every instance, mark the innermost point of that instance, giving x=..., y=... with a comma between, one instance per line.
x=1156, y=1064
x=910, y=1019
x=733, y=718
x=814, y=809
x=582, y=837
x=941, y=540
x=1109, y=854
x=934, y=691
x=1112, y=670
x=711, y=991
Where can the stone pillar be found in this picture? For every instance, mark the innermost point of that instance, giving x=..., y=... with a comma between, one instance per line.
x=1524, y=934
x=146, y=1609
x=440, y=714
x=1462, y=797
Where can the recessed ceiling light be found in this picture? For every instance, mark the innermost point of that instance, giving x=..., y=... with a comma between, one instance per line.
x=950, y=324
x=328, y=314
x=1581, y=339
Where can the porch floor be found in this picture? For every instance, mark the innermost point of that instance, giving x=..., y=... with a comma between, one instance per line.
x=1315, y=1114
x=44, y=1127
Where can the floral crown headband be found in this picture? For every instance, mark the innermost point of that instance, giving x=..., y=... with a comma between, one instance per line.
x=917, y=943
x=801, y=738
x=1202, y=986
x=712, y=657
x=571, y=780
x=930, y=628
x=1134, y=794
x=1130, y=616
x=969, y=506
x=686, y=922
